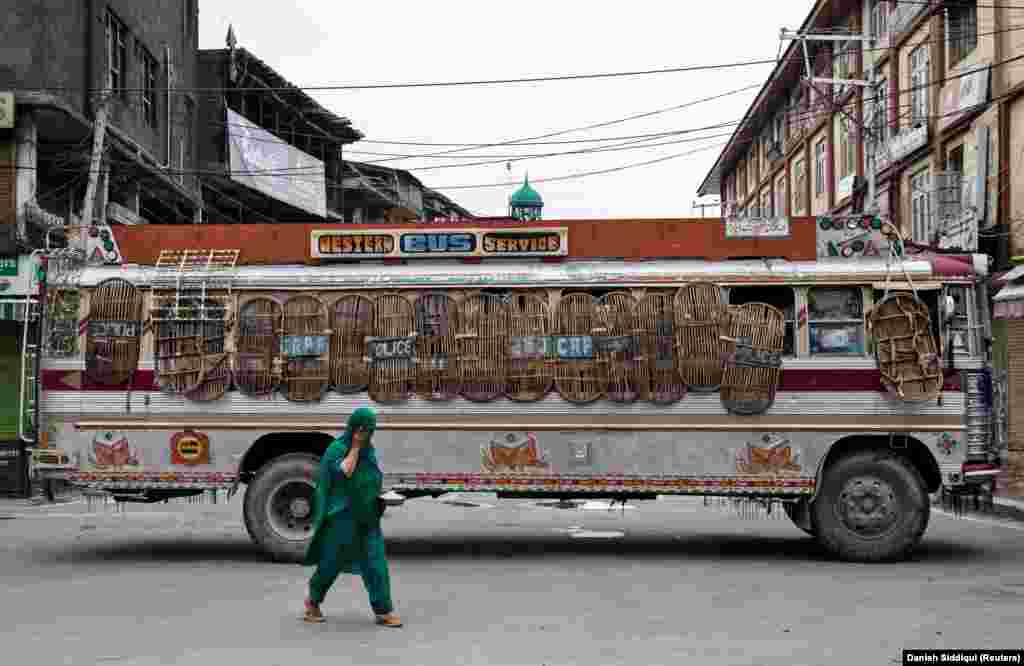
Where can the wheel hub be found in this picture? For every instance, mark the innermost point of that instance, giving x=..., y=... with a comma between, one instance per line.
x=289, y=509
x=868, y=506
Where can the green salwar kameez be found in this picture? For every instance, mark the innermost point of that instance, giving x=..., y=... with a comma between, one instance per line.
x=347, y=537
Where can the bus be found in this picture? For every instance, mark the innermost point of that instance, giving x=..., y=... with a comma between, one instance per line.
x=814, y=364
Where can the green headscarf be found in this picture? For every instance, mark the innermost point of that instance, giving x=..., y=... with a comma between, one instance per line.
x=364, y=486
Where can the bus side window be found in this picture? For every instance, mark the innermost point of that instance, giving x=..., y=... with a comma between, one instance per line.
x=784, y=298
x=835, y=320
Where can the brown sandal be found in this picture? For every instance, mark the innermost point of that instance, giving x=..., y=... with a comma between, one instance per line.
x=389, y=620
x=312, y=613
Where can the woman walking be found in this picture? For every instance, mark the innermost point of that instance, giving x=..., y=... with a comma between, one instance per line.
x=346, y=530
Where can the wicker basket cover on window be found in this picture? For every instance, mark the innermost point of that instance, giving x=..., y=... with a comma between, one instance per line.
x=259, y=343
x=618, y=347
x=579, y=380
x=483, y=347
x=437, y=369
x=529, y=371
x=655, y=323
x=755, y=335
x=905, y=347
x=114, y=332
x=190, y=354
x=351, y=322
x=392, y=379
x=306, y=373
x=699, y=311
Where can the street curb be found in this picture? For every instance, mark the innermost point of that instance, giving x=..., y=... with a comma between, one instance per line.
x=1002, y=507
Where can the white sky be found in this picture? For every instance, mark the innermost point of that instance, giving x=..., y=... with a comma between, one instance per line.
x=321, y=42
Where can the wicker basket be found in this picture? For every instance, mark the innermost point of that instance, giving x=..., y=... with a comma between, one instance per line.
x=618, y=348
x=580, y=379
x=699, y=314
x=114, y=332
x=392, y=379
x=258, y=344
x=754, y=338
x=306, y=376
x=437, y=370
x=352, y=321
x=189, y=345
x=655, y=325
x=483, y=347
x=905, y=347
x=529, y=375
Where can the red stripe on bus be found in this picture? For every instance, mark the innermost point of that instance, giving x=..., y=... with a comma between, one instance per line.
x=793, y=381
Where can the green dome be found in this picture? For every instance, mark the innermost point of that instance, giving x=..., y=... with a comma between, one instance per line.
x=526, y=196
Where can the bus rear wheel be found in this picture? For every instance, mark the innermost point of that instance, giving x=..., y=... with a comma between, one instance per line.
x=278, y=507
x=872, y=507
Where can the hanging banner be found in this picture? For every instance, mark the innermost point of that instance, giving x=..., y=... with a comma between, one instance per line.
x=421, y=243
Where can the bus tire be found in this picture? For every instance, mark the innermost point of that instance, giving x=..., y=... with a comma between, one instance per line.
x=278, y=506
x=799, y=513
x=872, y=507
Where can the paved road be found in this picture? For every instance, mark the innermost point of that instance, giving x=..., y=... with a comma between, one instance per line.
x=508, y=584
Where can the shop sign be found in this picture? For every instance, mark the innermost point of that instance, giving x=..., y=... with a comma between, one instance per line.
x=907, y=142
x=752, y=227
x=414, y=244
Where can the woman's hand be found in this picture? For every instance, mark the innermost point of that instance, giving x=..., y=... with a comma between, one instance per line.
x=348, y=465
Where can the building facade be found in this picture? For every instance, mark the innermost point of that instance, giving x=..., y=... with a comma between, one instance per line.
x=96, y=125
x=940, y=129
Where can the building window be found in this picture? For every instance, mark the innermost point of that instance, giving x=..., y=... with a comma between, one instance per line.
x=876, y=119
x=879, y=18
x=799, y=187
x=961, y=29
x=781, y=297
x=955, y=159
x=819, y=168
x=920, y=208
x=847, y=148
x=149, y=76
x=780, y=197
x=919, y=85
x=117, y=54
x=835, y=319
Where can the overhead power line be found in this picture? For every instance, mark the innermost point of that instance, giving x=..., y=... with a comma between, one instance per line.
x=436, y=84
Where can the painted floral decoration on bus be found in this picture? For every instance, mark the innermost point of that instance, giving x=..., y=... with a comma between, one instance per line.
x=774, y=455
x=112, y=449
x=515, y=454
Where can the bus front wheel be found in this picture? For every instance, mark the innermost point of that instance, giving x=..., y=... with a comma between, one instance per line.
x=872, y=506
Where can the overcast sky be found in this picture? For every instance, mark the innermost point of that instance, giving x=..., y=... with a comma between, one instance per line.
x=320, y=42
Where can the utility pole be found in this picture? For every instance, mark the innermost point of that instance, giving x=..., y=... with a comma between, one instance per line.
x=871, y=203
x=99, y=133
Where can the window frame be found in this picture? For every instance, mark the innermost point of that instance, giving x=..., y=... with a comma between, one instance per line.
x=799, y=187
x=878, y=16
x=116, y=52
x=919, y=62
x=962, y=18
x=812, y=322
x=820, y=151
x=920, y=228
x=148, y=97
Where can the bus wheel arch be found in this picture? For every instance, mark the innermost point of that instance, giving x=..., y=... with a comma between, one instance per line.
x=276, y=444
x=909, y=447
